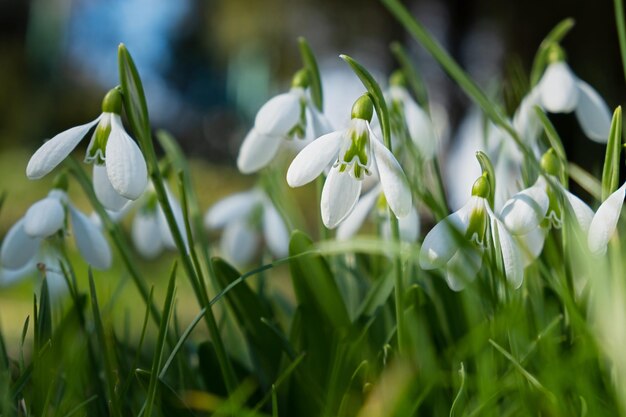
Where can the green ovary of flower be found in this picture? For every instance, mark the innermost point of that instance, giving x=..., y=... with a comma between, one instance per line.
x=356, y=154
x=477, y=226
x=97, y=150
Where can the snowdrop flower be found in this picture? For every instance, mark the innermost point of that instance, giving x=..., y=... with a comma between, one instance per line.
x=119, y=172
x=354, y=153
x=374, y=202
x=45, y=219
x=604, y=222
x=560, y=91
x=457, y=242
x=282, y=117
x=242, y=216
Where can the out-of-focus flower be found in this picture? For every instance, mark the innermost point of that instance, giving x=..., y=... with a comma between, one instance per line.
x=604, y=222
x=242, y=216
x=354, y=152
x=119, y=173
x=282, y=117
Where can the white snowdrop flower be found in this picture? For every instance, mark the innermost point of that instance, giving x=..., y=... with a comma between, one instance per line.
x=561, y=91
x=282, y=117
x=48, y=218
x=354, y=153
x=604, y=222
x=457, y=242
x=246, y=217
x=120, y=172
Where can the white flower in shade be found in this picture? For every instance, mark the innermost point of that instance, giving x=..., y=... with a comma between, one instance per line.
x=354, y=153
x=46, y=219
x=282, y=117
x=373, y=202
x=119, y=173
x=604, y=222
x=242, y=216
x=457, y=242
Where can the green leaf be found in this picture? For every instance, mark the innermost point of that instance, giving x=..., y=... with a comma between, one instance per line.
x=134, y=97
x=487, y=166
x=610, y=172
x=412, y=74
x=43, y=317
x=376, y=95
x=621, y=30
x=310, y=63
x=555, y=36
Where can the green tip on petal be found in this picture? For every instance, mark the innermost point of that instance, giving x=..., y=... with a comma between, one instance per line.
x=301, y=79
x=363, y=108
x=550, y=163
x=556, y=53
x=61, y=182
x=398, y=79
x=112, y=102
x=481, y=186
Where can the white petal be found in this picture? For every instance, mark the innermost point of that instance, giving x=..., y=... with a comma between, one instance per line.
x=279, y=115
x=320, y=124
x=90, y=242
x=109, y=198
x=313, y=159
x=526, y=209
x=239, y=243
x=257, y=150
x=44, y=218
x=511, y=253
x=440, y=244
x=605, y=221
x=531, y=244
x=409, y=226
x=51, y=153
x=582, y=211
x=559, y=92
x=146, y=234
x=420, y=128
x=233, y=207
x=353, y=222
x=339, y=196
x=525, y=120
x=395, y=185
x=275, y=231
x=18, y=248
x=125, y=164
x=10, y=276
x=463, y=267
x=593, y=114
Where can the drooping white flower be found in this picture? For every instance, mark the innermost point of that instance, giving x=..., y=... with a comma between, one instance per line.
x=354, y=153
x=282, y=117
x=457, y=242
x=604, y=222
x=46, y=219
x=120, y=172
x=244, y=218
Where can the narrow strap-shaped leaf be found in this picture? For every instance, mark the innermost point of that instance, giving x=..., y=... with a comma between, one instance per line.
x=43, y=317
x=310, y=63
x=412, y=75
x=137, y=111
x=621, y=30
x=610, y=172
x=554, y=36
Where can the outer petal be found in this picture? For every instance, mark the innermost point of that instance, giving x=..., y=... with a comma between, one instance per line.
x=420, y=128
x=525, y=120
x=531, y=244
x=90, y=242
x=51, y=153
x=582, y=211
x=353, y=222
x=605, y=221
x=526, y=209
x=109, y=198
x=125, y=164
x=257, y=150
x=463, y=267
x=511, y=253
x=313, y=159
x=593, y=114
x=319, y=122
x=558, y=87
x=44, y=218
x=146, y=234
x=10, y=276
x=18, y=248
x=339, y=196
x=234, y=207
x=395, y=185
x=279, y=115
x=440, y=244
x=239, y=243
x=275, y=231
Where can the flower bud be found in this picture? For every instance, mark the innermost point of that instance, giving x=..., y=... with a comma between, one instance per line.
x=363, y=108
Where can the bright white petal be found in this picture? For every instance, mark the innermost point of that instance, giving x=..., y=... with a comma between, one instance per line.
x=440, y=244
x=526, y=209
x=420, y=128
x=394, y=183
x=313, y=159
x=339, y=196
x=44, y=218
x=233, y=207
x=531, y=244
x=605, y=221
x=125, y=164
x=559, y=91
x=109, y=198
x=10, y=276
x=51, y=153
x=511, y=254
x=319, y=122
x=582, y=211
x=275, y=231
x=279, y=115
x=239, y=243
x=257, y=150
x=463, y=267
x=593, y=114
x=146, y=234
x=353, y=222
x=90, y=242
x=18, y=248
x=525, y=120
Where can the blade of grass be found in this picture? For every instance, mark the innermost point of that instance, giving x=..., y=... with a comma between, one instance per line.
x=310, y=63
x=621, y=30
x=610, y=171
